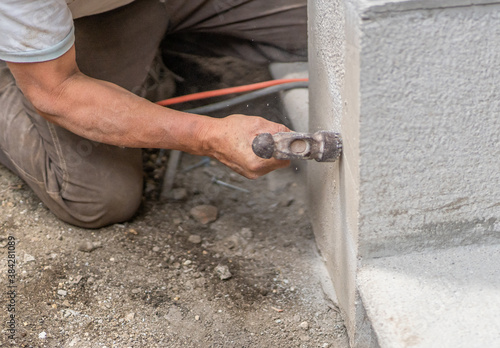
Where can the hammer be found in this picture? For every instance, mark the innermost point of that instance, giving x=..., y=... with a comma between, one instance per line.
x=323, y=146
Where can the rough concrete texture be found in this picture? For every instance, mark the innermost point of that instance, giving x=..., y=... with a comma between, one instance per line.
x=446, y=298
x=334, y=105
x=430, y=130
x=412, y=87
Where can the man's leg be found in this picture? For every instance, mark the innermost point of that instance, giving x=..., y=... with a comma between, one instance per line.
x=85, y=183
x=261, y=31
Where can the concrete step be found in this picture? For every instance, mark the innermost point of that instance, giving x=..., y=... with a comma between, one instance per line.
x=447, y=298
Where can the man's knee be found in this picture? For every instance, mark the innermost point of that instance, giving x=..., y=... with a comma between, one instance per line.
x=114, y=202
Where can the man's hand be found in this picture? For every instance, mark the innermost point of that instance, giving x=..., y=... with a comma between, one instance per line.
x=230, y=142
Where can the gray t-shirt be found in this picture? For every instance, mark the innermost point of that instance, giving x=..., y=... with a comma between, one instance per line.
x=42, y=30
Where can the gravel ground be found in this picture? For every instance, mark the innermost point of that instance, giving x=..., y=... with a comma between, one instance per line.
x=215, y=267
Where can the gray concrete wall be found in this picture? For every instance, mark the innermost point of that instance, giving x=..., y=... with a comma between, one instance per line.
x=430, y=129
x=334, y=105
x=413, y=86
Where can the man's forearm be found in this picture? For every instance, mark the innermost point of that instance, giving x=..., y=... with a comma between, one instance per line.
x=104, y=112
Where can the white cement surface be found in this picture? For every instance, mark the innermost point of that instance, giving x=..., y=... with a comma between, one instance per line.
x=445, y=298
x=430, y=130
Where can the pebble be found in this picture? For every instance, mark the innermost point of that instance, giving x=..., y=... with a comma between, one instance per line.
x=204, y=213
x=28, y=258
x=196, y=317
x=286, y=202
x=62, y=292
x=304, y=325
x=194, y=238
x=42, y=335
x=223, y=272
x=156, y=249
x=179, y=194
x=130, y=316
x=246, y=233
x=304, y=338
x=187, y=262
x=88, y=246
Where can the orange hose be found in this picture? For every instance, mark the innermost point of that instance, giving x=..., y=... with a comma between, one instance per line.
x=225, y=91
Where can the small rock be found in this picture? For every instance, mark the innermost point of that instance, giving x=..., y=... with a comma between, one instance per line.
x=156, y=249
x=223, y=272
x=246, y=233
x=65, y=303
x=179, y=194
x=28, y=258
x=77, y=280
x=187, y=262
x=112, y=259
x=286, y=202
x=88, y=246
x=42, y=335
x=196, y=317
x=304, y=325
x=325, y=345
x=130, y=316
x=62, y=292
x=177, y=221
x=204, y=213
x=194, y=238
x=304, y=338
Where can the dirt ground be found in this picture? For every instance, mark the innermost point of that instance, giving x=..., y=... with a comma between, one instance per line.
x=161, y=279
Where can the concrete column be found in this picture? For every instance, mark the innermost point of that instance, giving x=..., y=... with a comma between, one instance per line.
x=414, y=88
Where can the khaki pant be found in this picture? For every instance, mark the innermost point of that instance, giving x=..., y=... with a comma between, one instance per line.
x=90, y=184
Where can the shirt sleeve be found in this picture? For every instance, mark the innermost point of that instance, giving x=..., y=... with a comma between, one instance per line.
x=34, y=30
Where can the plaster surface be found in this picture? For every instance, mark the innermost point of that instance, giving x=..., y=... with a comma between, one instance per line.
x=430, y=130
x=446, y=298
x=412, y=86
x=333, y=187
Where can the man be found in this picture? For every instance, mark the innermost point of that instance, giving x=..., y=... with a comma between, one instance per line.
x=70, y=125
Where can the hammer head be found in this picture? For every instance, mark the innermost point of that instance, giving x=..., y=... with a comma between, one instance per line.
x=323, y=146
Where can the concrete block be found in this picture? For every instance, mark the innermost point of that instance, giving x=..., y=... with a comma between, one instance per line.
x=413, y=88
x=429, y=130
x=445, y=298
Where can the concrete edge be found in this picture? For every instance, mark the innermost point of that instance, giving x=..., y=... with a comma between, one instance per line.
x=369, y=8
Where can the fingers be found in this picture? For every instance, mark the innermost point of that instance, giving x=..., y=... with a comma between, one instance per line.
x=236, y=151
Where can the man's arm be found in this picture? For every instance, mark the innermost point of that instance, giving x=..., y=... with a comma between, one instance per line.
x=107, y=113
